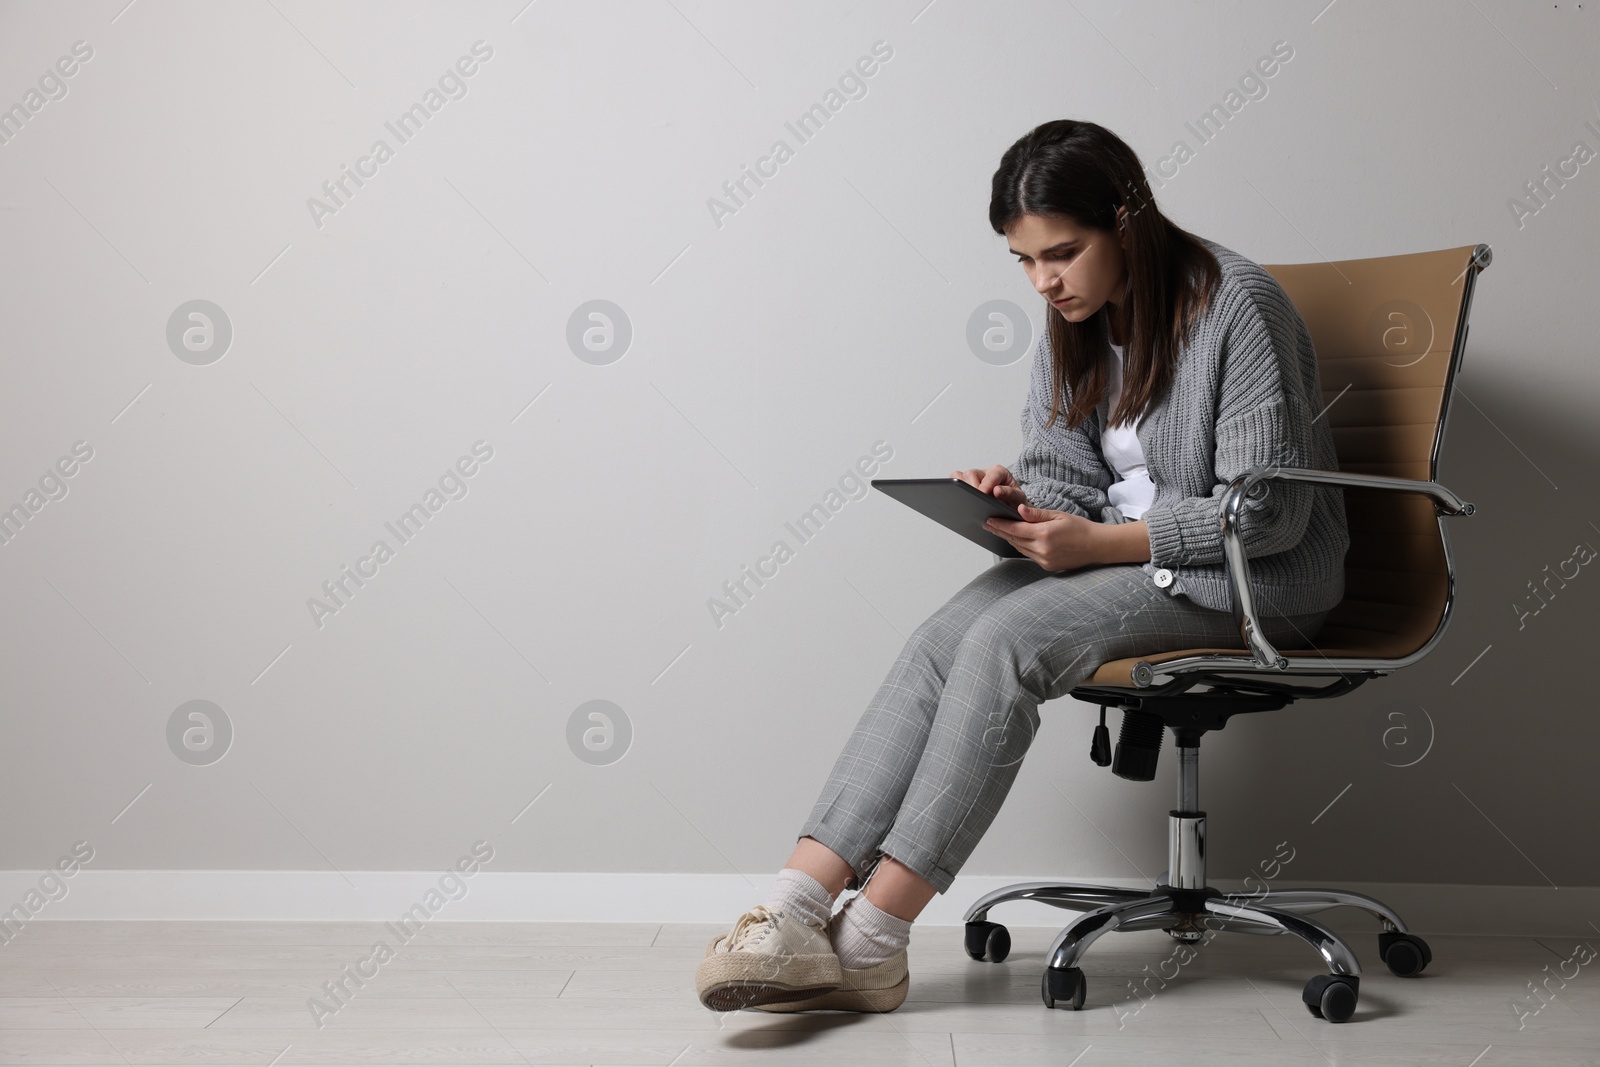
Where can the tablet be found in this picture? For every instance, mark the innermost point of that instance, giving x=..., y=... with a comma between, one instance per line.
x=957, y=504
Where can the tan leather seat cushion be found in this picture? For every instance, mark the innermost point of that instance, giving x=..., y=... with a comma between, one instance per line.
x=1368, y=645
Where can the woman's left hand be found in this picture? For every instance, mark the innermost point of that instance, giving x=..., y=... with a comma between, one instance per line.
x=1055, y=540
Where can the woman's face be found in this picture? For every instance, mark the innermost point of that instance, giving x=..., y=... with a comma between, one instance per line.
x=1079, y=270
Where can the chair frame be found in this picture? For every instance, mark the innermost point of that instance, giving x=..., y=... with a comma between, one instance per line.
x=1181, y=902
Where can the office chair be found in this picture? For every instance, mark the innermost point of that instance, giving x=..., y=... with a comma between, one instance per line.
x=1390, y=334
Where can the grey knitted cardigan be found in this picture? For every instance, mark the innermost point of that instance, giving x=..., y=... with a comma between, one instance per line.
x=1245, y=394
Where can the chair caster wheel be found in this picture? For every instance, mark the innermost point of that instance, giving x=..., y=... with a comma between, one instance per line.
x=1332, y=996
x=1405, y=954
x=1064, y=988
x=987, y=940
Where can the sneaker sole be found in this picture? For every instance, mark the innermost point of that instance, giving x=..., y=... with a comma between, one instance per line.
x=863, y=1000
x=731, y=980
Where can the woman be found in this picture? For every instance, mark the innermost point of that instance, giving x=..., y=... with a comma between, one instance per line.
x=1171, y=365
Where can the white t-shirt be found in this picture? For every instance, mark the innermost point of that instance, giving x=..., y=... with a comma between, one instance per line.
x=1124, y=454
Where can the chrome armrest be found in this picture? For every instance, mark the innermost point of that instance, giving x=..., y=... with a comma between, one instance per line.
x=1238, y=566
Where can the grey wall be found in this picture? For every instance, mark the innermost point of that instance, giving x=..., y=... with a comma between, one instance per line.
x=373, y=347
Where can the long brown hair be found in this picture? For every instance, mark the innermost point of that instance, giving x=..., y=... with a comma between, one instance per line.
x=1084, y=172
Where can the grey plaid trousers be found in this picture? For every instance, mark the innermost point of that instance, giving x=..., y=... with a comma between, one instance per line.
x=926, y=769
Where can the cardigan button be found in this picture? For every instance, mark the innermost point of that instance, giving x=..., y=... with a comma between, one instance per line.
x=1163, y=577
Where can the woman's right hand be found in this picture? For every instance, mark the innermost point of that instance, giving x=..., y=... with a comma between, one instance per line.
x=997, y=481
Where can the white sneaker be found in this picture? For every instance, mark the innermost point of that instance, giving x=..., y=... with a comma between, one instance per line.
x=768, y=956
x=880, y=988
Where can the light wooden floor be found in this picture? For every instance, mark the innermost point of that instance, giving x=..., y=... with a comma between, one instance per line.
x=576, y=993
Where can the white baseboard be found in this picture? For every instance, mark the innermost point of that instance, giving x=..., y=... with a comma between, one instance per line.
x=498, y=896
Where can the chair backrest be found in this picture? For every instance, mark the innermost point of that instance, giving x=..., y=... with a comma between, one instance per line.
x=1390, y=334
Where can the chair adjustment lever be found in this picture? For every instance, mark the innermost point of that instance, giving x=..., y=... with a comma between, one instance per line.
x=1100, y=747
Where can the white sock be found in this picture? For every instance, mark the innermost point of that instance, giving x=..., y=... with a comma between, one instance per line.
x=802, y=896
x=865, y=935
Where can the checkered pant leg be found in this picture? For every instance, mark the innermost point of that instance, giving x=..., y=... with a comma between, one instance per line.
x=930, y=762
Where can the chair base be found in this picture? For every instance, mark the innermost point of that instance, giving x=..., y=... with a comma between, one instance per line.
x=1186, y=914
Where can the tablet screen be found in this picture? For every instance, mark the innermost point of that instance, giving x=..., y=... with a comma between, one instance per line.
x=956, y=504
